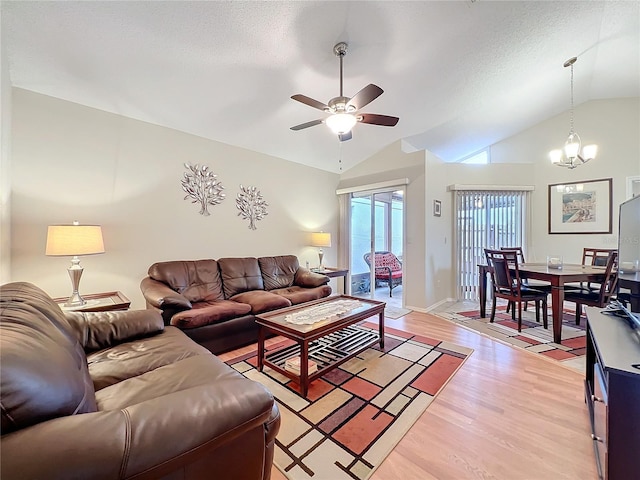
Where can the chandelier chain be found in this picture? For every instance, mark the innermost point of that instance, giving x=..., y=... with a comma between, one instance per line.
x=571, y=111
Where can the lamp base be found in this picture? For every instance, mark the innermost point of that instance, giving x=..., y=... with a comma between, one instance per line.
x=75, y=273
x=75, y=300
x=320, y=256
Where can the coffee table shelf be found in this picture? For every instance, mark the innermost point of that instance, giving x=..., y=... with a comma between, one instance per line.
x=329, y=342
x=328, y=351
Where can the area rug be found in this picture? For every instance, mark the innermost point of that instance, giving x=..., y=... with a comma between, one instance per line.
x=354, y=415
x=534, y=337
x=395, y=312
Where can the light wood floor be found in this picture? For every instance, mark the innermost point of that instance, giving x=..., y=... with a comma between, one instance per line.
x=507, y=414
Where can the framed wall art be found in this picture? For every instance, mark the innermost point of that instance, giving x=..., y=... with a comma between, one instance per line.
x=437, y=208
x=581, y=207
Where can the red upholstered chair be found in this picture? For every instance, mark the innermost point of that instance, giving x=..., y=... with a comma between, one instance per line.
x=388, y=269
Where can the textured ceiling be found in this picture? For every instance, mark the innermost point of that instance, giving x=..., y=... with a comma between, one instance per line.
x=461, y=75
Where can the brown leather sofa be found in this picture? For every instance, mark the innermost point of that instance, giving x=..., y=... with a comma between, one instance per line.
x=117, y=395
x=214, y=301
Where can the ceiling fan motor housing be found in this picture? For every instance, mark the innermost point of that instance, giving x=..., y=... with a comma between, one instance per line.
x=340, y=105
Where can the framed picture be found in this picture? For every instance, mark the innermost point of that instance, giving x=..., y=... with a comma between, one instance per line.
x=580, y=207
x=437, y=208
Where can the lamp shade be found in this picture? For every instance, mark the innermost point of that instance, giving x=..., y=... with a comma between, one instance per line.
x=71, y=240
x=320, y=239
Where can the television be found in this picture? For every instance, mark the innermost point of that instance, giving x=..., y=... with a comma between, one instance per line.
x=629, y=253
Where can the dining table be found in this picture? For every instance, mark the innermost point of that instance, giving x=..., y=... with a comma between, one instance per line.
x=557, y=278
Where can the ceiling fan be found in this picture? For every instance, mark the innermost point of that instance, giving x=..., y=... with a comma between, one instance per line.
x=344, y=110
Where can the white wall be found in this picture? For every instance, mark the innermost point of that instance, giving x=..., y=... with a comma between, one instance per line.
x=519, y=160
x=439, y=254
x=71, y=162
x=5, y=165
x=614, y=125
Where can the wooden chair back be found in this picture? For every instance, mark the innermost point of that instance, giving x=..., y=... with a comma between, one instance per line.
x=609, y=286
x=596, y=256
x=505, y=274
x=518, y=251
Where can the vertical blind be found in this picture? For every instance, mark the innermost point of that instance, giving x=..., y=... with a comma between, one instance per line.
x=486, y=219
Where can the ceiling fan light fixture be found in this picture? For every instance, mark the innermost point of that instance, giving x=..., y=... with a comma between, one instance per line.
x=341, y=123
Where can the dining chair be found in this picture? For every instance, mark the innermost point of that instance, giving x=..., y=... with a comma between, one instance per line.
x=538, y=285
x=595, y=257
x=507, y=284
x=596, y=297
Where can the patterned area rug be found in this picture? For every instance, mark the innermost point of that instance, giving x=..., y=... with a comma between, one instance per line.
x=354, y=415
x=534, y=337
x=395, y=312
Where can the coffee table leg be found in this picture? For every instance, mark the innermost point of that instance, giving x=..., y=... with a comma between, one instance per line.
x=381, y=331
x=261, y=336
x=304, y=368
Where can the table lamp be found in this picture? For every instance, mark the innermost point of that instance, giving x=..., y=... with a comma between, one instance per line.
x=74, y=240
x=320, y=239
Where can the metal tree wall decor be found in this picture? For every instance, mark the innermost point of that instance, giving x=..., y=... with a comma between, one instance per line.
x=251, y=205
x=202, y=185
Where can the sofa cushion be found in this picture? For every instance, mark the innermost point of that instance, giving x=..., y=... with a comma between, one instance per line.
x=98, y=330
x=298, y=295
x=130, y=359
x=196, y=280
x=306, y=278
x=206, y=313
x=240, y=275
x=278, y=272
x=173, y=377
x=262, y=301
x=43, y=369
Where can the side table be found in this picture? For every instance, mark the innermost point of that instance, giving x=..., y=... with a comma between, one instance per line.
x=98, y=302
x=332, y=272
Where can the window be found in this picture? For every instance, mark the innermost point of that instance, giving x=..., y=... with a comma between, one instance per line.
x=478, y=158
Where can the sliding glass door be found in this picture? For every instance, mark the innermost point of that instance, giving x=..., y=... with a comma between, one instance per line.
x=377, y=220
x=486, y=219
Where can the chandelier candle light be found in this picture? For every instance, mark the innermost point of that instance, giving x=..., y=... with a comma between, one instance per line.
x=74, y=240
x=571, y=155
x=320, y=239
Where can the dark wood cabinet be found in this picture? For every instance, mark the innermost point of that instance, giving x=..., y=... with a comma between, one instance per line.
x=612, y=389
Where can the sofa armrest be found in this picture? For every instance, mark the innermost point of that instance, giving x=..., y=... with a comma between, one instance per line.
x=161, y=296
x=98, y=330
x=306, y=278
x=139, y=441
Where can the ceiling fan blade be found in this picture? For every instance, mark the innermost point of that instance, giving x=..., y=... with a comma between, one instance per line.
x=365, y=96
x=311, y=102
x=375, y=119
x=307, y=125
x=343, y=137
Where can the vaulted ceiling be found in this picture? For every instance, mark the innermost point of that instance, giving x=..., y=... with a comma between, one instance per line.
x=461, y=75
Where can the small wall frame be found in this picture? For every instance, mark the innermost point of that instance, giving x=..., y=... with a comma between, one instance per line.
x=437, y=208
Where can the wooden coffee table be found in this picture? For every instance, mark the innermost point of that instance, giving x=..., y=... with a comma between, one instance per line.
x=329, y=342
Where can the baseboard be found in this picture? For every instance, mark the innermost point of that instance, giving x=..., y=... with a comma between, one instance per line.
x=431, y=307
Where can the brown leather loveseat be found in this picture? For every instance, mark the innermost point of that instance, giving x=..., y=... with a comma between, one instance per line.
x=117, y=395
x=214, y=301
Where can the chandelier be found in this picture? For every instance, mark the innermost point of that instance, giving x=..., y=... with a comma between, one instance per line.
x=572, y=154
